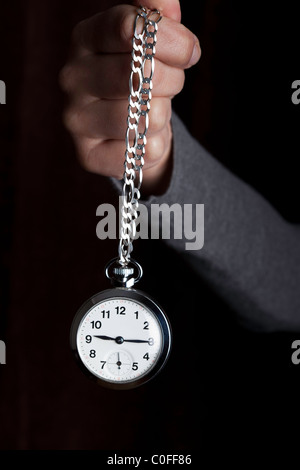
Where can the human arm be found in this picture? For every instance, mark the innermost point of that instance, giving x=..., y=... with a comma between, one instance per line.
x=251, y=255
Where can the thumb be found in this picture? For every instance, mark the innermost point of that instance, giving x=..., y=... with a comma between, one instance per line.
x=169, y=8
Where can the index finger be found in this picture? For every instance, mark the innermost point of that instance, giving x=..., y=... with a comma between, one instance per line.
x=111, y=32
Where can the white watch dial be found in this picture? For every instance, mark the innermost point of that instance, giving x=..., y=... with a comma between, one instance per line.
x=119, y=340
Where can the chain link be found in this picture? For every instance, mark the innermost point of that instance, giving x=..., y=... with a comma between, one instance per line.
x=140, y=94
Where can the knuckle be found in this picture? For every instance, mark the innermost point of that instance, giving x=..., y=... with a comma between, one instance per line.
x=66, y=77
x=168, y=81
x=188, y=48
x=73, y=76
x=94, y=158
x=71, y=120
x=159, y=114
x=156, y=147
x=124, y=27
x=179, y=84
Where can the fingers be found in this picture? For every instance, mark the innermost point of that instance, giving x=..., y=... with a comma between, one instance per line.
x=96, y=79
x=107, y=157
x=102, y=76
x=107, y=119
x=111, y=32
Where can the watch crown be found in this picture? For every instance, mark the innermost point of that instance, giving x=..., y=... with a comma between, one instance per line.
x=123, y=276
x=123, y=271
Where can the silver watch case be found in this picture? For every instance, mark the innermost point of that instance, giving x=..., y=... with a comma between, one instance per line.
x=149, y=303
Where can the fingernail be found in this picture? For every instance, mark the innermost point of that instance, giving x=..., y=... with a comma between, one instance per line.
x=196, y=53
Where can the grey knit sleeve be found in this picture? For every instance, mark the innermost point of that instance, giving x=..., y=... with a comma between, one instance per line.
x=251, y=255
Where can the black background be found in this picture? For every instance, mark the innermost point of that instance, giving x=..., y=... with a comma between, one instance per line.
x=236, y=390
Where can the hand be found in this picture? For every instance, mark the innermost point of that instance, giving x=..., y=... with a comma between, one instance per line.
x=96, y=80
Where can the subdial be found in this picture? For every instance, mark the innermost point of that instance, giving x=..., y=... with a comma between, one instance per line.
x=119, y=363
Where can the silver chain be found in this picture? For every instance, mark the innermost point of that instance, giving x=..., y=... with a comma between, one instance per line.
x=140, y=88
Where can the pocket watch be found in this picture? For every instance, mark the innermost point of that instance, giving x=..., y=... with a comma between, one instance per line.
x=121, y=337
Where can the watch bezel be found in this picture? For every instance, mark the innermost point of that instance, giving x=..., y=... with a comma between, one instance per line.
x=142, y=298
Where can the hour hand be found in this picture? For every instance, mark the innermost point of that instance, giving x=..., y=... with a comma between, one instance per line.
x=118, y=339
x=104, y=337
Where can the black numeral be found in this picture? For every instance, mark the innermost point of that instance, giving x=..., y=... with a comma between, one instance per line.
x=136, y=314
x=146, y=325
x=88, y=339
x=103, y=364
x=146, y=356
x=120, y=310
x=105, y=313
x=92, y=353
x=150, y=341
x=96, y=324
x=135, y=366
